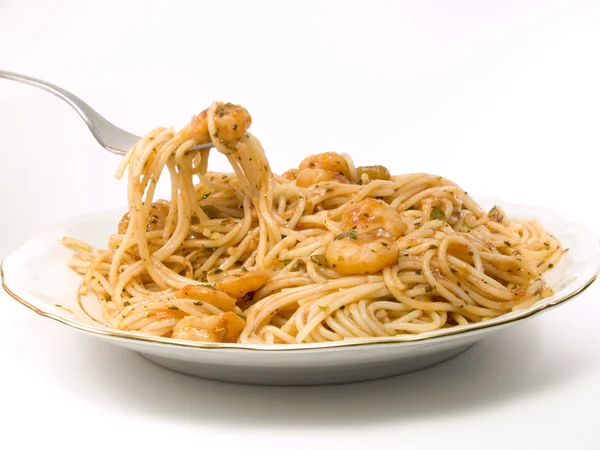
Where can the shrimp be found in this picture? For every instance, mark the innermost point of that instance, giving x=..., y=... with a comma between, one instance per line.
x=331, y=161
x=222, y=327
x=220, y=299
x=197, y=129
x=239, y=286
x=370, y=214
x=290, y=174
x=368, y=242
x=322, y=167
x=308, y=177
x=159, y=211
x=232, y=122
x=361, y=253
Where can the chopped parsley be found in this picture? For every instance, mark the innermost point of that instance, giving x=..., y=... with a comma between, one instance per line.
x=210, y=211
x=351, y=234
x=298, y=265
x=324, y=308
x=437, y=214
x=319, y=260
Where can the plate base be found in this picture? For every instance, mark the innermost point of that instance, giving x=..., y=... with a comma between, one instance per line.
x=348, y=372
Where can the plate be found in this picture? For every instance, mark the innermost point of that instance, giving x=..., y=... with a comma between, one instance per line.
x=37, y=276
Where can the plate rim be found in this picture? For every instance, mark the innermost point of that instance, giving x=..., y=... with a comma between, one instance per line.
x=403, y=339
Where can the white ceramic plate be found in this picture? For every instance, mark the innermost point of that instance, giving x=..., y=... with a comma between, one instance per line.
x=37, y=276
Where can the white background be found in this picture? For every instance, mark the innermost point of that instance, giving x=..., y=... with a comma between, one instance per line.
x=501, y=97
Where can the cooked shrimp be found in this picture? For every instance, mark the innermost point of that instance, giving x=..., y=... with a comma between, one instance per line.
x=361, y=253
x=232, y=122
x=370, y=214
x=308, y=177
x=331, y=161
x=290, y=174
x=224, y=327
x=220, y=299
x=197, y=129
x=238, y=286
x=159, y=211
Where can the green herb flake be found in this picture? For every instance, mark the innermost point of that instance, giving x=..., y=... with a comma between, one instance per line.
x=210, y=211
x=437, y=214
x=173, y=308
x=198, y=303
x=195, y=219
x=429, y=289
x=351, y=234
x=298, y=265
x=286, y=261
x=324, y=308
x=470, y=253
x=241, y=316
x=319, y=260
x=205, y=196
x=217, y=271
x=126, y=304
x=507, y=244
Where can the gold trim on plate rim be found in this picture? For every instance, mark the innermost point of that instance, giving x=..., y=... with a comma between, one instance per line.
x=127, y=335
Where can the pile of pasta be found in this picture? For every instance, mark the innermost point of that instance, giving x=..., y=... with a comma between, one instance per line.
x=324, y=252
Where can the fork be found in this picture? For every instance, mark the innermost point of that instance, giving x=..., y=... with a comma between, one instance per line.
x=108, y=135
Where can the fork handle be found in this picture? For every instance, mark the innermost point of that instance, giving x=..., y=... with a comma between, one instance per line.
x=111, y=137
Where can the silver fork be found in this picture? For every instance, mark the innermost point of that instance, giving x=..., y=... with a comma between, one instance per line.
x=111, y=137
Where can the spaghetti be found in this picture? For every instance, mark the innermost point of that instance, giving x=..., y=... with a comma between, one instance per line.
x=325, y=252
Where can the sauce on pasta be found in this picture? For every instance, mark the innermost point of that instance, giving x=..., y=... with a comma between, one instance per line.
x=327, y=251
